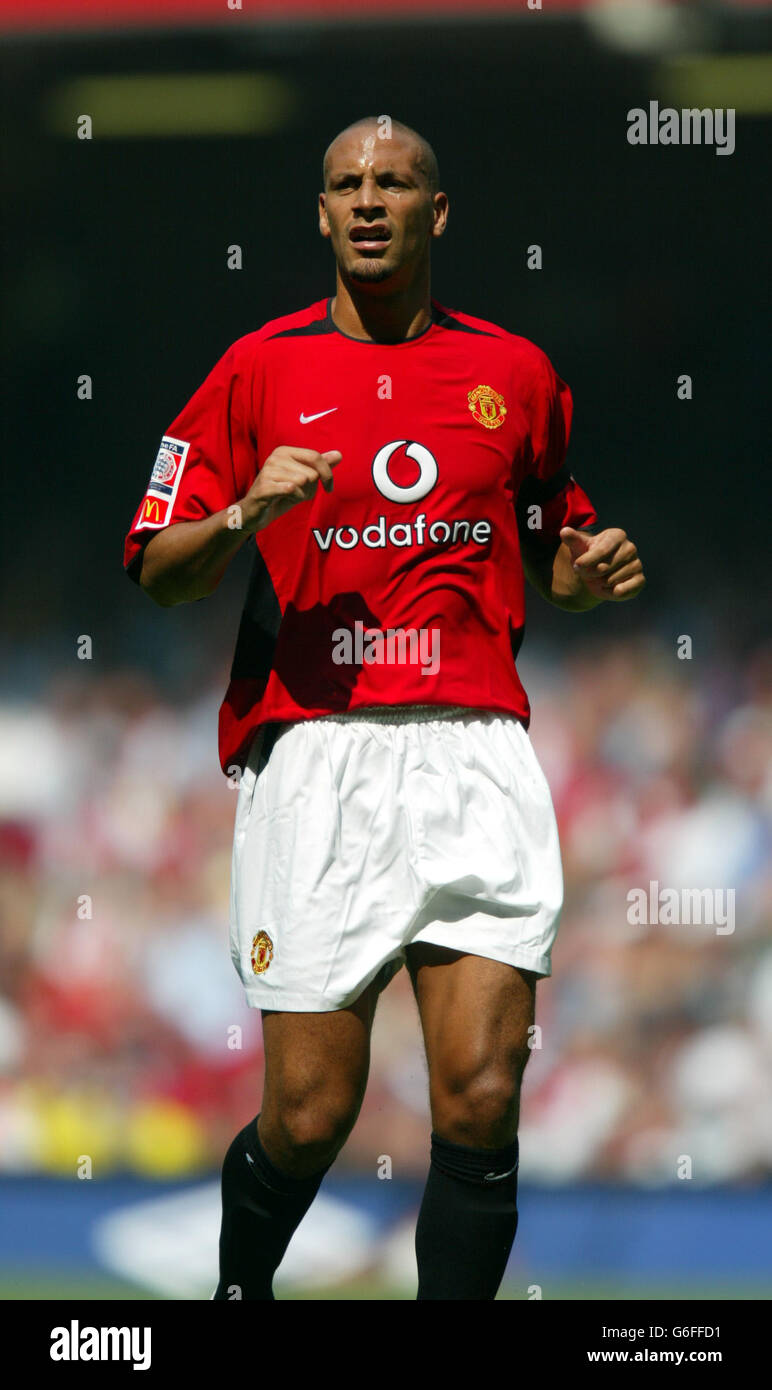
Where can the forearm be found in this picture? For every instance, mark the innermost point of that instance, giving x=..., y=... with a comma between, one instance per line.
x=187, y=560
x=552, y=573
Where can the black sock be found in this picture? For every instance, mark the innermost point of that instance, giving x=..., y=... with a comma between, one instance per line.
x=467, y=1222
x=261, y=1210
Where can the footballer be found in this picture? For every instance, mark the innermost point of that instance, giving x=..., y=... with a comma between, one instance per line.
x=398, y=469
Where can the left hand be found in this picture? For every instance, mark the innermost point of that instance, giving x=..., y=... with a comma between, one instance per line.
x=607, y=564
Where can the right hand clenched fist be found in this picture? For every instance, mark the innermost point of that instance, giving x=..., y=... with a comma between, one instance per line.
x=288, y=476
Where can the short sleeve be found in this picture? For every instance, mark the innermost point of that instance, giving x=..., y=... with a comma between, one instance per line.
x=549, y=496
x=207, y=459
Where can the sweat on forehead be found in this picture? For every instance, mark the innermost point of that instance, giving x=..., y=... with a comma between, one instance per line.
x=371, y=128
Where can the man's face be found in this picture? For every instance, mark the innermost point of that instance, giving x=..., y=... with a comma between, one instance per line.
x=378, y=209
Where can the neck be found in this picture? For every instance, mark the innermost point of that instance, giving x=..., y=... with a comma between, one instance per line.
x=378, y=315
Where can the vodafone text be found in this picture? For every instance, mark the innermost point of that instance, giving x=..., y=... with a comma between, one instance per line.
x=378, y=535
x=76, y=1343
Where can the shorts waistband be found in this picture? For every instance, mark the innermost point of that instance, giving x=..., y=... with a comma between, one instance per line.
x=398, y=714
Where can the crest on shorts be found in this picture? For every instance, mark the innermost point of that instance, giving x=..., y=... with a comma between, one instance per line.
x=262, y=952
x=487, y=407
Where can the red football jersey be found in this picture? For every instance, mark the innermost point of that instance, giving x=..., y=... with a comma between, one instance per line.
x=404, y=585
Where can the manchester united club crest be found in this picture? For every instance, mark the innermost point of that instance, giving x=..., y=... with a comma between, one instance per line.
x=262, y=952
x=487, y=406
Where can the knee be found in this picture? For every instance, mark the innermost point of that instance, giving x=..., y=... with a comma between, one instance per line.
x=322, y=1123
x=307, y=1128
x=479, y=1105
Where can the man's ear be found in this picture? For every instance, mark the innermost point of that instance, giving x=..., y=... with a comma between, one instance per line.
x=441, y=210
x=324, y=226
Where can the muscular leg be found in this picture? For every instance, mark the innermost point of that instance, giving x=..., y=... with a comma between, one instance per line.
x=475, y=1015
x=316, y=1067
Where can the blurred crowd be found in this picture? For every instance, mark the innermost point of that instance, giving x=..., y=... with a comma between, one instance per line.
x=125, y=1042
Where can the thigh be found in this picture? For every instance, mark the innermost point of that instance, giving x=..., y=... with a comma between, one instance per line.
x=319, y=1047
x=475, y=1016
x=316, y=1065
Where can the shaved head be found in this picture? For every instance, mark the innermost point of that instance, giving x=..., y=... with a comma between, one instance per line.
x=423, y=158
x=381, y=207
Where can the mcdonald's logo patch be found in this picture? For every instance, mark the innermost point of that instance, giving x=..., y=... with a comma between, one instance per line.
x=164, y=483
x=151, y=510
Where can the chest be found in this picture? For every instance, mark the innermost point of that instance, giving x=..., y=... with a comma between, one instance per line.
x=407, y=422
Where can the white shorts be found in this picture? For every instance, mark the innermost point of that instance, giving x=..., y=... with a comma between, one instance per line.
x=361, y=834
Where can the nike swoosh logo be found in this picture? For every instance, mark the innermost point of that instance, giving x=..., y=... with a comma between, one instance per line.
x=306, y=419
x=257, y=1174
x=499, y=1177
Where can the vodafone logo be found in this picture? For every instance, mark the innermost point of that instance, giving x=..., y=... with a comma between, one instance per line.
x=383, y=532
x=427, y=476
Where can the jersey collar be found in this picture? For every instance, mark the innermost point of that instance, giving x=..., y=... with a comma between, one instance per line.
x=437, y=315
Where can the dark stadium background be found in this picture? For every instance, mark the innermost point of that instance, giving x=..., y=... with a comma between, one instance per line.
x=113, y=1030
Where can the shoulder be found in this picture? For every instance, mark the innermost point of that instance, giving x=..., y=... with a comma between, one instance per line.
x=286, y=325
x=527, y=356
